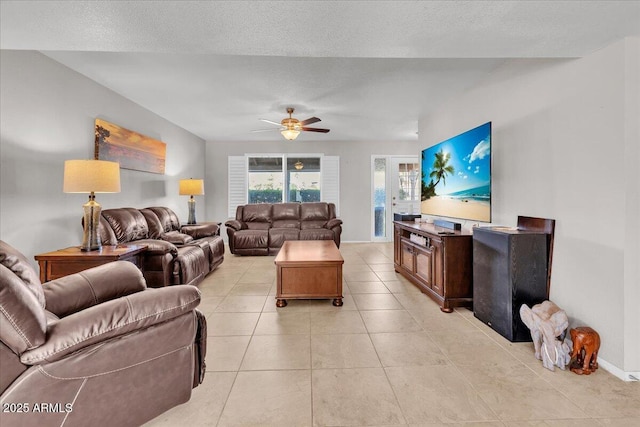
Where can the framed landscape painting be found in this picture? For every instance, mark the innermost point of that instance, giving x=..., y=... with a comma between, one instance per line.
x=131, y=149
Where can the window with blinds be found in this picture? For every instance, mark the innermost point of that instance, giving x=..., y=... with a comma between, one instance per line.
x=283, y=178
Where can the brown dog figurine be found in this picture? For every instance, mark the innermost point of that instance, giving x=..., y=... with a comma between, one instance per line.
x=586, y=343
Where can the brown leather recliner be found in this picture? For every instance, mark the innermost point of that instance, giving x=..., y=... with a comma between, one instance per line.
x=176, y=255
x=96, y=347
x=261, y=229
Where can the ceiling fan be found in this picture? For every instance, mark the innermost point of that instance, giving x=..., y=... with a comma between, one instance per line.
x=291, y=127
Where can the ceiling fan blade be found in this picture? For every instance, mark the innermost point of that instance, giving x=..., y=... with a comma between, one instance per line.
x=315, y=130
x=309, y=121
x=264, y=130
x=269, y=121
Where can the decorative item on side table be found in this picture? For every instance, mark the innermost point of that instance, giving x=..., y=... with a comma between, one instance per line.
x=192, y=187
x=91, y=176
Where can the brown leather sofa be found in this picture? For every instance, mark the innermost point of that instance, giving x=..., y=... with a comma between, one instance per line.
x=94, y=348
x=261, y=229
x=176, y=254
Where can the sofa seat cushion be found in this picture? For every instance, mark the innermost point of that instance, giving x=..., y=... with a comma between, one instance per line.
x=286, y=223
x=258, y=225
x=316, y=234
x=244, y=239
x=308, y=225
x=277, y=236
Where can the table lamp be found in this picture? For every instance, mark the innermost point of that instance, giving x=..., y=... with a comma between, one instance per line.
x=192, y=187
x=91, y=176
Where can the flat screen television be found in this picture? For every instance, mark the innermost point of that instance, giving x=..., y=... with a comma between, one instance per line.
x=456, y=176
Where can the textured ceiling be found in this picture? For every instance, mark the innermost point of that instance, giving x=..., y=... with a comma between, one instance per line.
x=369, y=70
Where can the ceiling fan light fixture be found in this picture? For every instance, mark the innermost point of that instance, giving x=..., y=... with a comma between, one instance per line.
x=298, y=165
x=290, y=134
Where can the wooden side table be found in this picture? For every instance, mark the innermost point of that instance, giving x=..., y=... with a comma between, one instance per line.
x=63, y=262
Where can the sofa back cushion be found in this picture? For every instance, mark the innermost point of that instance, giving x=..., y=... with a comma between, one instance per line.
x=18, y=264
x=314, y=215
x=128, y=224
x=22, y=318
x=286, y=215
x=168, y=218
x=153, y=222
x=257, y=216
x=107, y=236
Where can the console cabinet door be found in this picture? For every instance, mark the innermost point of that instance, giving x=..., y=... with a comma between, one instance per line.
x=437, y=258
x=406, y=255
x=424, y=264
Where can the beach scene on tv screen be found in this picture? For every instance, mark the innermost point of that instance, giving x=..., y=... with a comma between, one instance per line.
x=456, y=176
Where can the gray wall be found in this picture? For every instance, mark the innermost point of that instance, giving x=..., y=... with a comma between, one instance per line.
x=355, y=175
x=565, y=146
x=47, y=117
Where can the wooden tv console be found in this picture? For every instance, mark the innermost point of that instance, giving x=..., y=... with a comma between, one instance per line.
x=442, y=267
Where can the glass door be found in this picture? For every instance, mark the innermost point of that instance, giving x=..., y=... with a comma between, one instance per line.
x=405, y=185
x=395, y=183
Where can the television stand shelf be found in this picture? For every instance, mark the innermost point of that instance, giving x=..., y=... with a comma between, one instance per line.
x=442, y=268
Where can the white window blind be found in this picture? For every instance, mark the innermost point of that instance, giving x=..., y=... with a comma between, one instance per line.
x=331, y=181
x=237, y=183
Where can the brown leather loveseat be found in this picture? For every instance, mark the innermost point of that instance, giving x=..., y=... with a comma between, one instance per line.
x=176, y=254
x=261, y=229
x=94, y=348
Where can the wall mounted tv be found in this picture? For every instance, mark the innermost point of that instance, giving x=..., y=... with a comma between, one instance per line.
x=456, y=176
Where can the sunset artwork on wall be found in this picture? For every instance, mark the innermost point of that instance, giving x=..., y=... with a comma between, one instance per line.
x=131, y=149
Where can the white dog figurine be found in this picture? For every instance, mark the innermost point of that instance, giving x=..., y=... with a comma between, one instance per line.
x=546, y=322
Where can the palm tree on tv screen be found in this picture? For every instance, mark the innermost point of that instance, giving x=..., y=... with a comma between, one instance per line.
x=441, y=168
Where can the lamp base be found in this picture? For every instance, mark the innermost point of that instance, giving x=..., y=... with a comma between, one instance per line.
x=192, y=211
x=90, y=237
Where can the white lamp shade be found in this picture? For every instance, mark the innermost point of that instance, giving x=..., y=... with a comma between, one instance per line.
x=86, y=176
x=290, y=134
x=191, y=187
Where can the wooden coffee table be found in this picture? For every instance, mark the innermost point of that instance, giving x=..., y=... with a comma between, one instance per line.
x=309, y=269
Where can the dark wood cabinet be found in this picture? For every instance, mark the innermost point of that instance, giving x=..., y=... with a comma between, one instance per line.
x=441, y=265
x=510, y=269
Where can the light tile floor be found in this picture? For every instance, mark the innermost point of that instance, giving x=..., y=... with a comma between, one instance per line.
x=388, y=356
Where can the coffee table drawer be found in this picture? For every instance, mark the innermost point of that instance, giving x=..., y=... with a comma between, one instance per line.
x=310, y=282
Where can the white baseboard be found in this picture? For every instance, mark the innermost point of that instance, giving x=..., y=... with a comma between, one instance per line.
x=614, y=370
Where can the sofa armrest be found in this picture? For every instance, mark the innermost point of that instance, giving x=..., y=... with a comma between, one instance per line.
x=176, y=237
x=198, y=231
x=334, y=222
x=236, y=225
x=90, y=287
x=112, y=319
x=158, y=247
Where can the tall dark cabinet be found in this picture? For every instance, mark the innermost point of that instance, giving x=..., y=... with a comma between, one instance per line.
x=509, y=269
